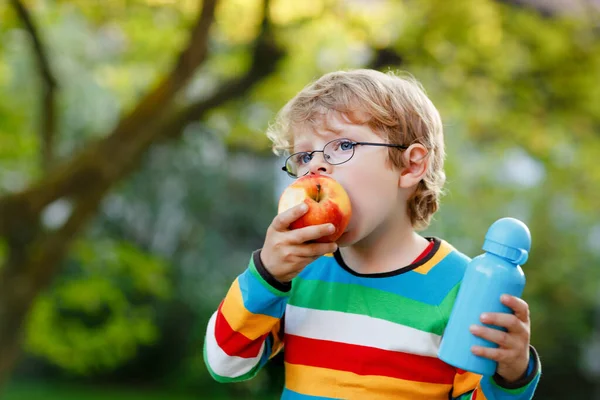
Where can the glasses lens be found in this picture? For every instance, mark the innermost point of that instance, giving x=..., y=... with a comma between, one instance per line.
x=297, y=164
x=339, y=151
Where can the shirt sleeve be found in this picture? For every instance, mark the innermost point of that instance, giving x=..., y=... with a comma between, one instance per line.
x=247, y=328
x=470, y=386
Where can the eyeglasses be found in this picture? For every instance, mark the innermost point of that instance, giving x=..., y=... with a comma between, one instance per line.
x=336, y=152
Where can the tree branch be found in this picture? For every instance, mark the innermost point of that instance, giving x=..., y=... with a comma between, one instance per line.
x=48, y=106
x=133, y=133
x=551, y=9
x=265, y=56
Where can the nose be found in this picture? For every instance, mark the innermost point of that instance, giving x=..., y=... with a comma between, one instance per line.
x=318, y=165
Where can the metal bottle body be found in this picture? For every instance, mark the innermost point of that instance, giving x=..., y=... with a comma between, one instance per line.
x=486, y=278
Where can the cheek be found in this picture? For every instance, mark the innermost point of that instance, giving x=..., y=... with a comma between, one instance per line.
x=372, y=193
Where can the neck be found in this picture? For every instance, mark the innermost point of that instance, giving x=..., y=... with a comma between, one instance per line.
x=393, y=245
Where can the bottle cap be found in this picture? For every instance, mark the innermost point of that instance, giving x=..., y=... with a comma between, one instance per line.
x=508, y=238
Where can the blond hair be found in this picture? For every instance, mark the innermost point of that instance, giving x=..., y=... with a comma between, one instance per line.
x=397, y=108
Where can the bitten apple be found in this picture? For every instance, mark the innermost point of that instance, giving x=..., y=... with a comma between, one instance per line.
x=327, y=202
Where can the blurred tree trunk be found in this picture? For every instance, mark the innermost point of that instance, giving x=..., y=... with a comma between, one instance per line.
x=35, y=252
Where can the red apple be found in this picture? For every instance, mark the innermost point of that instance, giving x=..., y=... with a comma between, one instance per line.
x=327, y=202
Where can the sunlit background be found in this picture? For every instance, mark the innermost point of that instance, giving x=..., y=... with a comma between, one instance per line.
x=186, y=191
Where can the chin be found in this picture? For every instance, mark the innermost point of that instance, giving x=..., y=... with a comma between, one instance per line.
x=348, y=238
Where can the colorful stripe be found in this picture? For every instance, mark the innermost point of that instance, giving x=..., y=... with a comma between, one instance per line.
x=349, y=336
x=238, y=341
x=430, y=288
x=328, y=383
x=446, y=305
x=476, y=394
x=351, y=358
x=240, y=319
x=360, y=330
x=254, y=272
x=439, y=255
x=358, y=299
x=257, y=298
x=291, y=395
x=223, y=364
x=464, y=382
x=235, y=343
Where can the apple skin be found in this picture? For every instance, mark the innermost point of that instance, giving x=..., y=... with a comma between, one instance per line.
x=327, y=202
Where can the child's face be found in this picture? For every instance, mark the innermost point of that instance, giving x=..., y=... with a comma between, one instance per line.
x=368, y=177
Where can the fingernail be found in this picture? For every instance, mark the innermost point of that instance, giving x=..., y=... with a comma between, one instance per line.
x=504, y=297
x=331, y=228
x=473, y=328
x=303, y=207
x=485, y=316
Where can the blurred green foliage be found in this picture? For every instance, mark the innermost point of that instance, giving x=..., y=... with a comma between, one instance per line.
x=48, y=391
x=518, y=93
x=97, y=317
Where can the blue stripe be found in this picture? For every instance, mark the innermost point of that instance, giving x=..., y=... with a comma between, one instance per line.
x=267, y=352
x=493, y=391
x=430, y=288
x=258, y=299
x=291, y=395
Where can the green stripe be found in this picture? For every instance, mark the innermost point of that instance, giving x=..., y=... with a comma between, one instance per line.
x=448, y=302
x=466, y=396
x=513, y=392
x=266, y=284
x=357, y=299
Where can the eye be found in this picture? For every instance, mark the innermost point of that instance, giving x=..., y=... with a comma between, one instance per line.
x=346, y=145
x=302, y=158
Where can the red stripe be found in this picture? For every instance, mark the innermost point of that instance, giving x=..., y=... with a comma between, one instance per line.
x=365, y=360
x=474, y=395
x=234, y=343
x=424, y=253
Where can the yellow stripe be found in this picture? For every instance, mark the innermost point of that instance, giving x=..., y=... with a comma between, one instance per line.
x=313, y=381
x=241, y=320
x=480, y=394
x=465, y=382
x=277, y=343
x=442, y=252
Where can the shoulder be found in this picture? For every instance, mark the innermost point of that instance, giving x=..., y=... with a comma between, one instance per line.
x=455, y=257
x=443, y=257
x=440, y=274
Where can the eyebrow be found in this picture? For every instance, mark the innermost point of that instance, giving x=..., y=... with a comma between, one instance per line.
x=330, y=128
x=297, y=145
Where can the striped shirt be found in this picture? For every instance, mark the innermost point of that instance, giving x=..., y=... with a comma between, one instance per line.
x=352, y=336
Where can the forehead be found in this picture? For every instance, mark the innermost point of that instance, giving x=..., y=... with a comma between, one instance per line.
x=329, y=125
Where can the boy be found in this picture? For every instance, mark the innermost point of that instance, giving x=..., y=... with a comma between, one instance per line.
x=363, y=318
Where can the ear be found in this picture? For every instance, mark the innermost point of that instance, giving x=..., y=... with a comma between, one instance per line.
x=416, y=162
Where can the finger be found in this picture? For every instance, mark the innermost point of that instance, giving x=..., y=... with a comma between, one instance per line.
x=519, y=306
x=282, y=221
x=313, y=232
x=504, y=320
x=497, y=336
x=316, y=249
x=496, y=354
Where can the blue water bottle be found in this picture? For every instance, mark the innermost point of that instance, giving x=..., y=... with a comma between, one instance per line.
x=487, y=277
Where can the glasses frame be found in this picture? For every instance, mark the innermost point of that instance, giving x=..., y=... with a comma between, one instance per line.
x=352, y=142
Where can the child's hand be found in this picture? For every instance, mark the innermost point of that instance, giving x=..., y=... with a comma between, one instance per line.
x=285, y=252
x=513, y=354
